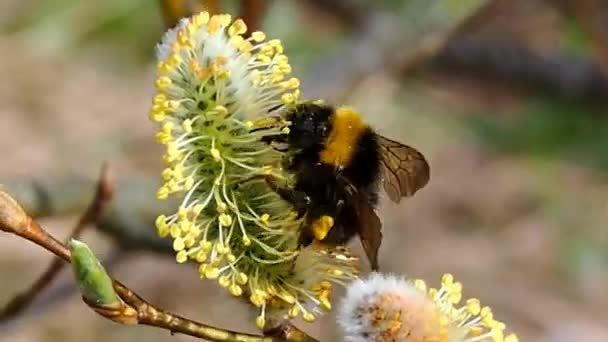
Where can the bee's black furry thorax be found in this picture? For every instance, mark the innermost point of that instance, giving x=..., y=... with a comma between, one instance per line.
x=328, y=185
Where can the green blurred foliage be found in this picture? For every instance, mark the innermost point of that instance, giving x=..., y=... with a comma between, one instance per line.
x=548, y=128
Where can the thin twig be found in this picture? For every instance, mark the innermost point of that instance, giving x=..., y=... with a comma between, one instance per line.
x=134, y=310
x=63, y=288
x=388, y=43
x=22, y=301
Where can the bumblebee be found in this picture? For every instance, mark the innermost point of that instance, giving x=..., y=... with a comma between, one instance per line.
x=339, y=163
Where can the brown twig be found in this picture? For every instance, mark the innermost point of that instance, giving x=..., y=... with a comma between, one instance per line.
x=252, y=12
x=22, y=301
x=133, y=309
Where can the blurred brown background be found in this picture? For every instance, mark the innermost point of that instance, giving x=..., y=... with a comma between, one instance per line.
x=507, y=99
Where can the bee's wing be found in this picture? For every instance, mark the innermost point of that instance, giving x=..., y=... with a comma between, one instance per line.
x=405, y=170
x=370, y=226
x=370, y=233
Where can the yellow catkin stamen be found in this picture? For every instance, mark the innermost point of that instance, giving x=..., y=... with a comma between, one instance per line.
x=260, y=322
x=258, y=36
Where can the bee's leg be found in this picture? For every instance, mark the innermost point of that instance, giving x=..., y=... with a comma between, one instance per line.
x=298, y=199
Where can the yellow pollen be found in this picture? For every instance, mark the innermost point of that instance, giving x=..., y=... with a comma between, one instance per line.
x=258, y=36
x=246, y=241
x=200, y=19
x=181, y=257
x=224, y=281
x=225, y=220
x=322, y=226
x=260, y=322
x=238, y=27
x=235, y=290
x=163, y=82
x=215, y=153
x=308, y=317
x=212, y=272
x=179, y=244
x=242, y=278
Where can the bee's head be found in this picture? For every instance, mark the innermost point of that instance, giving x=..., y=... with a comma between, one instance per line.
x=310, y=125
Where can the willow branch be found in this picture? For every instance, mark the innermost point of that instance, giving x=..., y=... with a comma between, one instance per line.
x=66, y=196
x=570, y=78
x=22, y=301
x=132, y=309
x=389, y=43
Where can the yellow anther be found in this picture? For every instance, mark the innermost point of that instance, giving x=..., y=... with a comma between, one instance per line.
x=246, y=241
x=308, y=317
x=187, y=125
x=200, y=19
x=294, y=311
x=288, y=298
x=220, y=110
x=264, y=218
x=183, y=39
x=258, y=36
x=162, y=193
x=230, y=257
x=189, y=241
x=221, y=207
x=245, y=46
x=225, y=220
x=212, y=272
x=224, y=281
x=235, y=290
x=161, y=221
x=256, y=300
x=447, y=279
x=166, y=174
x=201, y=256
x=220, y=248
x=178, y=244
x=236, y=41
x=173, y=60
x=242, y=278
x=205, y=245
x=175, y=231
x=157, y=116
x=182, y=213
x=215, y=153
x=188, y=183
x=249, y=124
x=159, y=99
x=260, y=322
x=163, y=138
x=263, y=58
x=511, y=338
x=163, y=82
x=287, y=98
x=214, y=24
x=181, y=257
x=184, y=226
x=238, y=27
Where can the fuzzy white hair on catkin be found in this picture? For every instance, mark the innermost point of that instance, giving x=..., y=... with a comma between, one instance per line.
x=163, y=49
x=356, y=320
